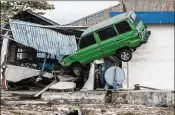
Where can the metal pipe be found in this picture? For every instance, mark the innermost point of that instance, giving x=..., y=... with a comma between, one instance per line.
x=46, y=88
x=45, y=58
x=139, y=86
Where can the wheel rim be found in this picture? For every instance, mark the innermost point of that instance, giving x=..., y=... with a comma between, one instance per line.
x=76, y=70
x=125, y=55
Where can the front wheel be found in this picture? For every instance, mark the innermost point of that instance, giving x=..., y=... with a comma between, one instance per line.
x=125, y=55
x=76, y=69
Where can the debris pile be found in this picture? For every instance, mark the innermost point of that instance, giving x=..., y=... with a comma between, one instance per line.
x=95, y=109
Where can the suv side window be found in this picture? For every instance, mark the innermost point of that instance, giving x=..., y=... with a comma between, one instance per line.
x=87, y=41
x=106, y=33
x=123, y=27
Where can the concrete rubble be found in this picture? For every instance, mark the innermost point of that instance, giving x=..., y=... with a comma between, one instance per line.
x=124, y=109
x=90, y=103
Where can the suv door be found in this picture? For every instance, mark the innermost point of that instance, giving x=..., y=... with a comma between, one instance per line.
x=89, y=49
x=108, y=38
x=127, y=34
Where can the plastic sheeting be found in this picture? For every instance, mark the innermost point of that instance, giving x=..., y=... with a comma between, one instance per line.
x=43, y=39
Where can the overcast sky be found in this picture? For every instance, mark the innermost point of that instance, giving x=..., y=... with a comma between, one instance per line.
x=68, y=11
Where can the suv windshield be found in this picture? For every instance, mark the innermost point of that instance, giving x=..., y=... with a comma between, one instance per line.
x=135, y=19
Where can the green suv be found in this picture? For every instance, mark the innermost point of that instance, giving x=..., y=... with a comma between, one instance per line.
x=117, y=36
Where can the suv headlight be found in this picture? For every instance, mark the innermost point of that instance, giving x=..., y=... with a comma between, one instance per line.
x=62, y=63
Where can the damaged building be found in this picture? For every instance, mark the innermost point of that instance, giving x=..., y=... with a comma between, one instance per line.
x=36, y=80
x=24, y=48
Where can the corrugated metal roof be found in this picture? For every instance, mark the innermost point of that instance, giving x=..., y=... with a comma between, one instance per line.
x=29, y=16
x=42, y=17
x=107, y=22
x=43, y=39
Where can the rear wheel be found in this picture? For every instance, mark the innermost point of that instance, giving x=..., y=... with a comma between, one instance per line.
x=125, y=55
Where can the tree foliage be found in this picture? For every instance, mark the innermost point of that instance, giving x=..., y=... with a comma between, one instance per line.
x=10, y=8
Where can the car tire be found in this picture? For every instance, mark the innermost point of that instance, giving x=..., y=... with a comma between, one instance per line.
x=125, y=55
x=77, y=69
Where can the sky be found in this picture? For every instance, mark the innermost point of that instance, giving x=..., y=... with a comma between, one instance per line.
x=68, y=11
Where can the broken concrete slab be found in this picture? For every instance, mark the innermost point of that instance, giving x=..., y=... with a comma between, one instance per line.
x=63, y=86
x=16, y=73
x=144, y=97
x=76, y=97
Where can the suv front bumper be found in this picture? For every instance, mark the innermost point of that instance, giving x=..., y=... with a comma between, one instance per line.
x=147, y=37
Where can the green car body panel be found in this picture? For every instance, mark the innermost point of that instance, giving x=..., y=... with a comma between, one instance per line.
x=132, y=39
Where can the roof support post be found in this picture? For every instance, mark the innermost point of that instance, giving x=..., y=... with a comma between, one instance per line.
x=42, y=70
x=4, y=52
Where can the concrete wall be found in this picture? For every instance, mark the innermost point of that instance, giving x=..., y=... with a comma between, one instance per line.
x=143, y=97
x=153, y=63
x=97, y=17
x=149, y=5
x=150, y=98
x=130, y=5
